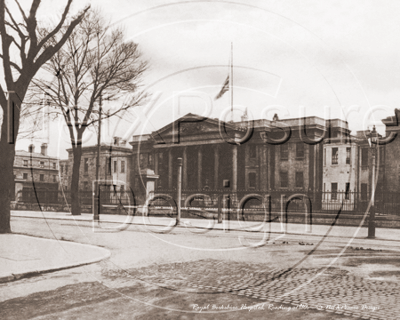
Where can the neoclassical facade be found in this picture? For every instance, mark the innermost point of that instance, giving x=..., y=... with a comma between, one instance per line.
x=260, y=155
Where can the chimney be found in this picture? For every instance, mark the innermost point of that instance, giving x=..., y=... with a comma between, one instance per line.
x=116, y=141
x=43, y=149
x=31, y=148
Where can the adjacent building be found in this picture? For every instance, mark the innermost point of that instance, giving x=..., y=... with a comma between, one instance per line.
x=34, y=171
x=114, y=166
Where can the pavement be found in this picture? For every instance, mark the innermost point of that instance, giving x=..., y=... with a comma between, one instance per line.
x=166, y=224
x=22, y=256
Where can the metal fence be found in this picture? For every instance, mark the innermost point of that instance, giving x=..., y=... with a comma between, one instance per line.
x=253, y=200
x=56, y=197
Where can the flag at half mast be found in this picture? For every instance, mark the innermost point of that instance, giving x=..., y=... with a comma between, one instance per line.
x=224, y=88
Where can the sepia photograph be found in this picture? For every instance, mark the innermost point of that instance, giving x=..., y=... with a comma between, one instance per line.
x=200, y=159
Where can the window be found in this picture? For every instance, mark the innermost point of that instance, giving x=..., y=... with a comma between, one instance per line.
x=348, y=155
x=85, y=185
x=150, y=159
x=347, y=192
x=284, y=151
x=54, y=165
x=109, y=165
x=335, y=155
x=25, y=163
x=334, y=191
x=54, y=178
x=299, y=179
x=122, y=189
x=364, y=191
x=62, y=168
x=324, y=156
x=284, y=179
x=142, y=159
x=66, y=169
x=299, y=150
x=42, y=177
x=86, y=165
x=364, y=157
x=42, y=164
x=115, y=166
x=122, y=166
x=252, y=152
x=25, y=176
x=252, y=180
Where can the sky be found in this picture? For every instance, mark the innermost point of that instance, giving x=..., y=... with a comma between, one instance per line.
x=294, y=58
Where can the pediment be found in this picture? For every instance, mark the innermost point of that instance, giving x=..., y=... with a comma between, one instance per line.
x=189, y=125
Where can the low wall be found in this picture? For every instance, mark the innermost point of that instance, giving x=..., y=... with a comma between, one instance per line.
x=61, y=208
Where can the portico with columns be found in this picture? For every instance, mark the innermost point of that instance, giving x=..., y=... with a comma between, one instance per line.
x=210, y=155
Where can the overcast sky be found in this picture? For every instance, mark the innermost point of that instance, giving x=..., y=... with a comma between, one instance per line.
x=288, y=53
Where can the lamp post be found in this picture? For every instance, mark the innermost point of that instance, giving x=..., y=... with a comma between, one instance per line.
x=179, y=198
x=373, y=140
x=96, y=204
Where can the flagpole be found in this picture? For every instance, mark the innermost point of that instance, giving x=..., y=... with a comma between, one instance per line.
x=231, y=80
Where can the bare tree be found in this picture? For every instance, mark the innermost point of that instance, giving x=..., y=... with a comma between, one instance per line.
x=95, y=62
x=24, y=49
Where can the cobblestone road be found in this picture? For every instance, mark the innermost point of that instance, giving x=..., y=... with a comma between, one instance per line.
x=325, y=289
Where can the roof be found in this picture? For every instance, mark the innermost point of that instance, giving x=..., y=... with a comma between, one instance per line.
x=24, y=153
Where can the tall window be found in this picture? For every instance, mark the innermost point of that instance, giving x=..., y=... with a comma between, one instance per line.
x=25, y=163
x=348, y=155
x=85, y=185
x=142, y=160
x=62, y=168
x=252, y=180
x=284, y=179
x=54, y=178
x=66, y=169
x=284, y=151
x=151, y=162
x=299, y=150
x=364, y=157
x=252, y=152
x=25, y=176
x=54, y=165
x=122, y=189
x=347, y=193
x=324, y=156
x=334, y=191
x=42, y=177
x=335, y=155
x=122, y=166
x=299, y=179
x=86, y=166
x=115, y=166
x=364, y=191
x=109, y=165
x=42, y=164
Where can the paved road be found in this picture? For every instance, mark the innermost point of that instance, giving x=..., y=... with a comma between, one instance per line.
x=183, y=270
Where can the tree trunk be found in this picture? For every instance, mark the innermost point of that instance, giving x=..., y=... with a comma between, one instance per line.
x=7, y=154
x=75, y=203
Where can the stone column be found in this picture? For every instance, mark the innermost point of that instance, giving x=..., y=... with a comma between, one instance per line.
x=170, y=168
x=156, y=166
x=185, y=176
x=216, y=166
x=199, y=167
x=234, y=168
